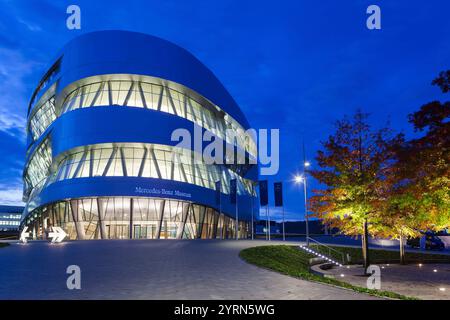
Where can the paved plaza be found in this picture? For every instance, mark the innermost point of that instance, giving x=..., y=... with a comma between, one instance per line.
x=149, y=269
x=424, y=281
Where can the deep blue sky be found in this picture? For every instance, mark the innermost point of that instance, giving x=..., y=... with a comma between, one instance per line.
x=293, y=65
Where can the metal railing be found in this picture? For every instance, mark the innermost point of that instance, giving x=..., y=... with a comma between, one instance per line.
x=329, y=251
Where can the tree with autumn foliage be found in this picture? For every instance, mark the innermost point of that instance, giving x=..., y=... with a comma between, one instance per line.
x=417, y=191
x=353, y=162
x=384, y=185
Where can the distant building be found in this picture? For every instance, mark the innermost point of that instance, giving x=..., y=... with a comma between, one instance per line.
x=299, y=227
x=10, y=218
x=261, y=228
x=294, y=227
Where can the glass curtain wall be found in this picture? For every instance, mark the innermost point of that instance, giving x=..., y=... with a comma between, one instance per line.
x=44, y=115
x=38, y=167
x=147, y=95
x=161, y=98
x=134, y=218
x=148, y=161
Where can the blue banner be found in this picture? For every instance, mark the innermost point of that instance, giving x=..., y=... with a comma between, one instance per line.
x=278, y=192
x=263, y=193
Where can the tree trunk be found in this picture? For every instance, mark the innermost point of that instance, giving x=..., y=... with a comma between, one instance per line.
x=365, y=246
x=402, y=249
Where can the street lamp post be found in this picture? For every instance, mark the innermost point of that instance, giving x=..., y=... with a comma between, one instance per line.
x=302, y=179
x=306, y=212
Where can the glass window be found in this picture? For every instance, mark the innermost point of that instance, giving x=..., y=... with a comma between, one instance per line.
x=135, y=159
x=154, y=96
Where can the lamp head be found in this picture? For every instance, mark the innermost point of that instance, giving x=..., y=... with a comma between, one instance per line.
x=298, y=179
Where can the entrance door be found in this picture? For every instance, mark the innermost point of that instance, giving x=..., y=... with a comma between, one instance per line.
x=137, y=231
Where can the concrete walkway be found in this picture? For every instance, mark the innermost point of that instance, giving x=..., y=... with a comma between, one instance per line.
x=427, y=281
x=152, y=269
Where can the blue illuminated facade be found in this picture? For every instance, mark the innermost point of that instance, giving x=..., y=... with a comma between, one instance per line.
x=100, y=160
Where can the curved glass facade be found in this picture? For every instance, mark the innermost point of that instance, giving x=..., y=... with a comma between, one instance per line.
x=100, y=160
x=147, y=161
x=38, y=168
x=43, y=117
x=134, y=218
x=142, y=94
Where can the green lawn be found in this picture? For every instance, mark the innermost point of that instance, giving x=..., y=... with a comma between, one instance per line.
x=382, y=256
x=291, y=261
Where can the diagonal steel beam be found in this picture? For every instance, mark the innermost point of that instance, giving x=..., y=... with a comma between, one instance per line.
x=130, y=91
x=160, y=98
x=141, y=92
x=141, y=168
x=110, y=160
x=123, y=162
x=155, y=162
x=97, y=94
x=171, y=101
x=110, y=99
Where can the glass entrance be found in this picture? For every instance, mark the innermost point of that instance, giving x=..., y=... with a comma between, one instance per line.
x=144, y=231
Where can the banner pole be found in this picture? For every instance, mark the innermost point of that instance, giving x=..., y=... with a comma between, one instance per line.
x=237, y=218
x=253, y=199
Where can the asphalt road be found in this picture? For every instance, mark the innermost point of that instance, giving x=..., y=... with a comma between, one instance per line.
x=155, y=269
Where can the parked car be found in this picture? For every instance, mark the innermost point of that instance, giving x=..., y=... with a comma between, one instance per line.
x=432, y=242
